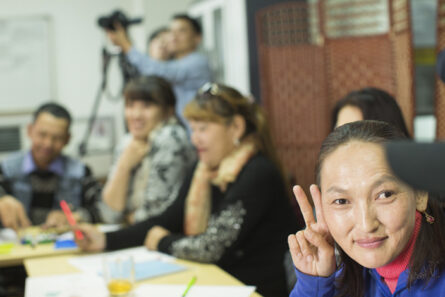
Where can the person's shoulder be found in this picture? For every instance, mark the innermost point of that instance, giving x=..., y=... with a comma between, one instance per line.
x=11, y=165
x=260, y=170
x=196, y=58
x=172, y=134
x=259, y=163
x=15, y=157
x=74, y=167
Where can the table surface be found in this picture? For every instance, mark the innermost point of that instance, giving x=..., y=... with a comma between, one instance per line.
x=207, y=274
x=21, y=252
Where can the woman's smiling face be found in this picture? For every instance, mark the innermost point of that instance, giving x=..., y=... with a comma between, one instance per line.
x=369, y=212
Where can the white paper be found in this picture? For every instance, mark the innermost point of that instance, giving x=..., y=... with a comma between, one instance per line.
x=88, y=285
x=195, y=291
x=67, y=285
x=94, y=263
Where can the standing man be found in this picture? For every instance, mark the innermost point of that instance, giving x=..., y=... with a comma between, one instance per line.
x=188, y=70
x=32, y=183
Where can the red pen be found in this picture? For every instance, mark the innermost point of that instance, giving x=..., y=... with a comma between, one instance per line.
x=69, y=216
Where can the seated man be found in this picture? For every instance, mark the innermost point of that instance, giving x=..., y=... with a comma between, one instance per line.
x=33, y=183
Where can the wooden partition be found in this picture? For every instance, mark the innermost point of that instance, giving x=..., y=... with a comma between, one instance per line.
x=440, y=86
x=313, y=53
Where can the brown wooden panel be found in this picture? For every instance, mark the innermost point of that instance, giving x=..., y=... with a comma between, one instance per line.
x=440, y=86
x=303, y=72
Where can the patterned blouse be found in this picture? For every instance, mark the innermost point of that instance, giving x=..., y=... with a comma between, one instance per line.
x=160, y=173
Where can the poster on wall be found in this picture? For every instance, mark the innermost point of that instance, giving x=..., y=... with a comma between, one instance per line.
x=25, y=63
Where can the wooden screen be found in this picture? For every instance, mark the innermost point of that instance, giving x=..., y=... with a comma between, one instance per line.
x=440, y=86
x=313, y=53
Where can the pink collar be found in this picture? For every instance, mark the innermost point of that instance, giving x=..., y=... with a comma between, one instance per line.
x=390, y=272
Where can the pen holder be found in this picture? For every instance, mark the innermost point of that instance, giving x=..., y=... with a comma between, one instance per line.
x=119, y=275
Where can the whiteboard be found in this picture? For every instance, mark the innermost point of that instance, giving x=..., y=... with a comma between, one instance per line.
x=25, y=65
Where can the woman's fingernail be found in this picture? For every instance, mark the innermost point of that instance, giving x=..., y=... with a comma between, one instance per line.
x=309, y=258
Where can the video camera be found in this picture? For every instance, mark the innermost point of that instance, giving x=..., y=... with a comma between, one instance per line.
x=117, y=16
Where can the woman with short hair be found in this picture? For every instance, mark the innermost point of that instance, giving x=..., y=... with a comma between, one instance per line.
x=152, y=159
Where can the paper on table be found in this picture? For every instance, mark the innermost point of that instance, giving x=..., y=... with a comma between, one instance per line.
x=94, y=263
x=67, y=285
x=87, y=285
x=195, y=291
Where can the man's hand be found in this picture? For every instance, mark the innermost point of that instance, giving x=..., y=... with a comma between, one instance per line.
x=119, y=37
x=55, y=219
x=12, y=213
x=154, y=236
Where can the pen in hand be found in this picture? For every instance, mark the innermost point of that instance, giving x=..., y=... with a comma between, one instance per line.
x=70, y=218
x=190, y=284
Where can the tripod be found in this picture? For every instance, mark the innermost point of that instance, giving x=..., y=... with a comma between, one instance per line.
x=106, y=57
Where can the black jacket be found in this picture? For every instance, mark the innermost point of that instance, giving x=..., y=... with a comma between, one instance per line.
x=246, y=234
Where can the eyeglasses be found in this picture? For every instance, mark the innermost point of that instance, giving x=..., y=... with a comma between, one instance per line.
x=209, y=87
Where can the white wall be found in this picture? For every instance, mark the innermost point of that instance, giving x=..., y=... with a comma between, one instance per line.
x=159, y=12
x=234, y=38
x=77, y=42
x=76, y=62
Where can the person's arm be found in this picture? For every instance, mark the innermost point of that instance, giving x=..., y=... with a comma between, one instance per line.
x=239, y=213
x=194, y=69
x=116, y=188
x=12, y=212
x=172, y=219
x=189, y=68
x=313, y=286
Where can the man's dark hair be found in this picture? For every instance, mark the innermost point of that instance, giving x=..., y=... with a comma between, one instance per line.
x=193, y=22
x=54, y=109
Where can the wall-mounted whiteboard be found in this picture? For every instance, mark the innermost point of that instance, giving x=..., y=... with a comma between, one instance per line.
x=25, y=63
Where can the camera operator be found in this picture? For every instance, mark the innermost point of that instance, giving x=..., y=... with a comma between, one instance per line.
x=187, y=71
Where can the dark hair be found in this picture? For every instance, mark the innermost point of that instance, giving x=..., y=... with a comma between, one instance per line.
x=196, y=26
x=151, y=89
x=156, y=33
x=54, y=109
x=375, y=104
x=422, y=265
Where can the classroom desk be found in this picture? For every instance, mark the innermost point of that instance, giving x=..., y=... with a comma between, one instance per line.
x=207, y=274
x=21, y=252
